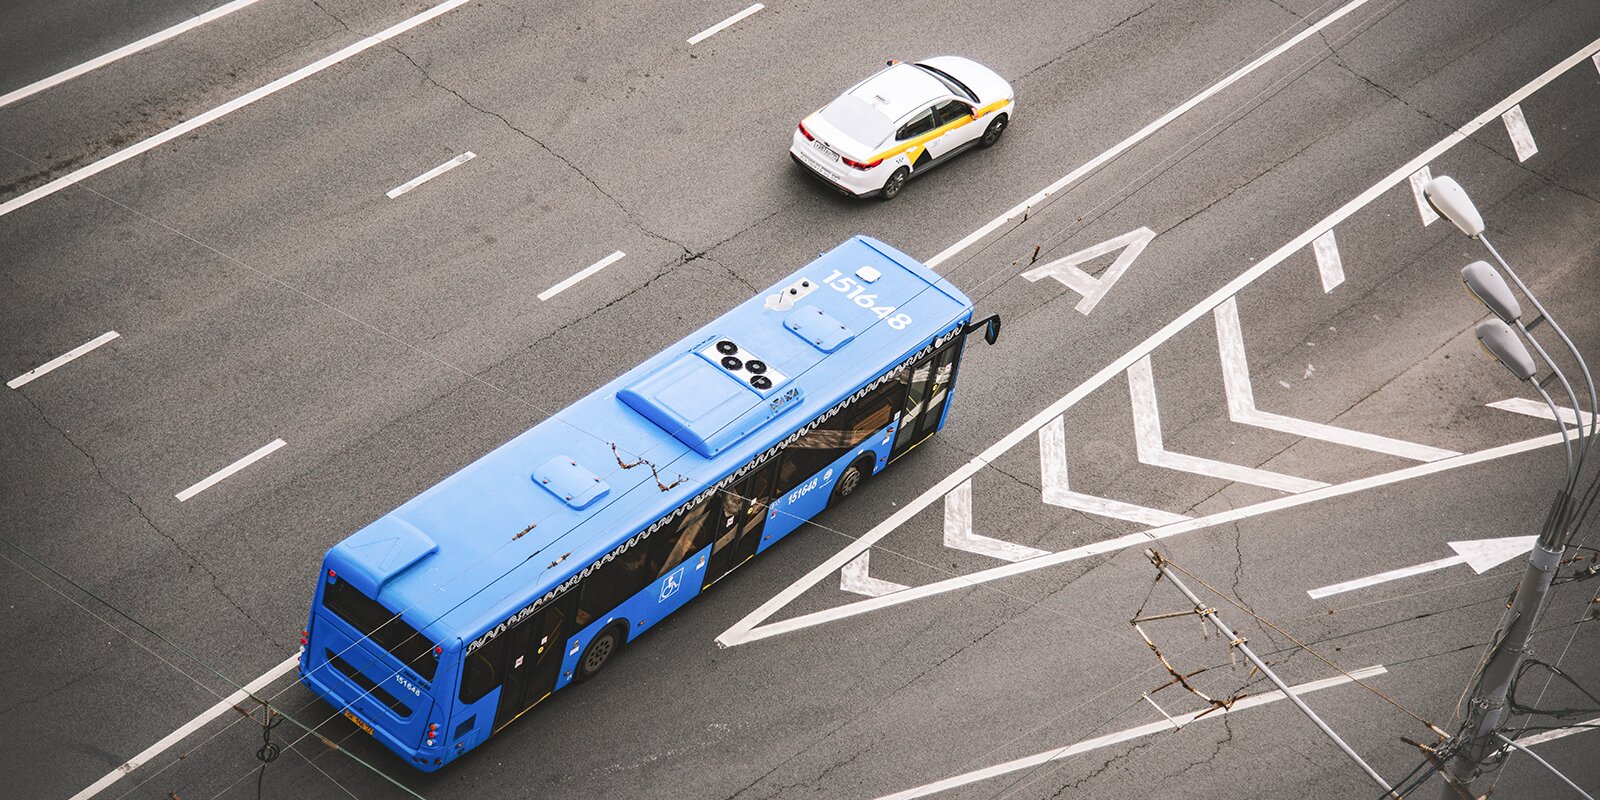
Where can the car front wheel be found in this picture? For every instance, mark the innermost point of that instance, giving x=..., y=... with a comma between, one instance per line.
x=992, y=133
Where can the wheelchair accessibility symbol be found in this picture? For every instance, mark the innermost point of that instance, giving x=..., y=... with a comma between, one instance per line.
x=670, y=584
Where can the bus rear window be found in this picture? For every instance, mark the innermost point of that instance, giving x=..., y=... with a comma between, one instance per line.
x=381, y=625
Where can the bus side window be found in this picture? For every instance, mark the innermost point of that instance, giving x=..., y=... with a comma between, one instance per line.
x=483, y=670
x=832, y=439
x=673, y=543
x=612, y=584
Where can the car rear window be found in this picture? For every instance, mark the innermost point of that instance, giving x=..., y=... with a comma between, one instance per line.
x=858, y=120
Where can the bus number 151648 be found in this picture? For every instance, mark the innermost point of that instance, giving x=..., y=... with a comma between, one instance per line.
x=857, y=293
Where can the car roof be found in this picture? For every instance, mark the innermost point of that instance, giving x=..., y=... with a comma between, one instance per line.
x=899, y=90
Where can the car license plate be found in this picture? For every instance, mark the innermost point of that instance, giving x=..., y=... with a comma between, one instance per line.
x=826, y=151
x=359, y=724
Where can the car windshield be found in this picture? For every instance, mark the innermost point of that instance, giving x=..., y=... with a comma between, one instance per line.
x=858, y=120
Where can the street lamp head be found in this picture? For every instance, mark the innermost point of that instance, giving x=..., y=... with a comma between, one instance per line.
x=1485, y=284
x=1451, y=201
x=1501, y=343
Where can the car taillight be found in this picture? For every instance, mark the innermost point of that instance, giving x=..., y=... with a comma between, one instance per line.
x=806, y=133
x=862, y=165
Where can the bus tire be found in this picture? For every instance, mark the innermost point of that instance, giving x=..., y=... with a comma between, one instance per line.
x=851, y=479
x=601, y=648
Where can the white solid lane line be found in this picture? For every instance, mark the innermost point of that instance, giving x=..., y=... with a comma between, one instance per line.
x=48, y=366
x=708, y=32
x=225, y=109
x=1143, y=133
x=222, y=707
x=586, y=272
x=431, y=174
x=122, y=52
x=1087, y=745
x=746, y=630
x=217, y=477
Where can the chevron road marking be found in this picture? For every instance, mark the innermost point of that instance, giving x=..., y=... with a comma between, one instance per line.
x=1419, y=179
x=958, y=530
x=1329, y=265
x=1242, y=403
x=1521, y=137
x=1147, y=437
x=1534, y=408
x=1053, y=471
x=747, y=630
x=853, y=578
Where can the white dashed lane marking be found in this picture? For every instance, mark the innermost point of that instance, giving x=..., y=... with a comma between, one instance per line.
x=50, y=366
x=431, y=174
x=584, y=273
x=714, y=29
x=218, y=476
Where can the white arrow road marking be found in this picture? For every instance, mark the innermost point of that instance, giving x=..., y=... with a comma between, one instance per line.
x=1480, y=554
x=1094, y=289
x=958, y=530
x=1521, y=137
x=1535, y=408
x=1147, y=437
x=1329, y=265
x=1053, y=474
x=1419, y=179
x=1242, y=402
x=853, y=578
x=1088, y=745
x=746, y=630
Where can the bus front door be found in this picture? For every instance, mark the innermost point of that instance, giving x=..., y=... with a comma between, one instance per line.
x=534, y=658
x=743, y=513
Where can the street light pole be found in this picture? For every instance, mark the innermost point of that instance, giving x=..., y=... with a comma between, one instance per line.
x=1472, y=749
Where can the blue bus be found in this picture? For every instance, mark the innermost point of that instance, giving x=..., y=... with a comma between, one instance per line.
x=449, y=617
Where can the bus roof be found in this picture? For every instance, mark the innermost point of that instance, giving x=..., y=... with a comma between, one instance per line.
x=472, y=549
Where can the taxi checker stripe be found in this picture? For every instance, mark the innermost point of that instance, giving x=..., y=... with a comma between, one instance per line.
x=919, y=141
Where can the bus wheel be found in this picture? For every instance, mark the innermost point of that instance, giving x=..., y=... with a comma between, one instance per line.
x=851, y=479
x=599, y=651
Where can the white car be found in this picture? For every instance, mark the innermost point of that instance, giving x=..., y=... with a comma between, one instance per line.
x=902, y=121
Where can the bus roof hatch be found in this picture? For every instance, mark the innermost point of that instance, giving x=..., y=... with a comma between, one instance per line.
x=705, y=406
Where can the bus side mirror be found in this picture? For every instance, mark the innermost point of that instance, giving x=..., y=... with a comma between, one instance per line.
x=991, y=328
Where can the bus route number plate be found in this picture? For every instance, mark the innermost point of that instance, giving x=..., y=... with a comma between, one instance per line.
x=359, y=724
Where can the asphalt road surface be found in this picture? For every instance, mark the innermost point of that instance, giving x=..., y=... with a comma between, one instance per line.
x=1281, y=407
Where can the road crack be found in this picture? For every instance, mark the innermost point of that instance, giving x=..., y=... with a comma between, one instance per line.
x=193, y=559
